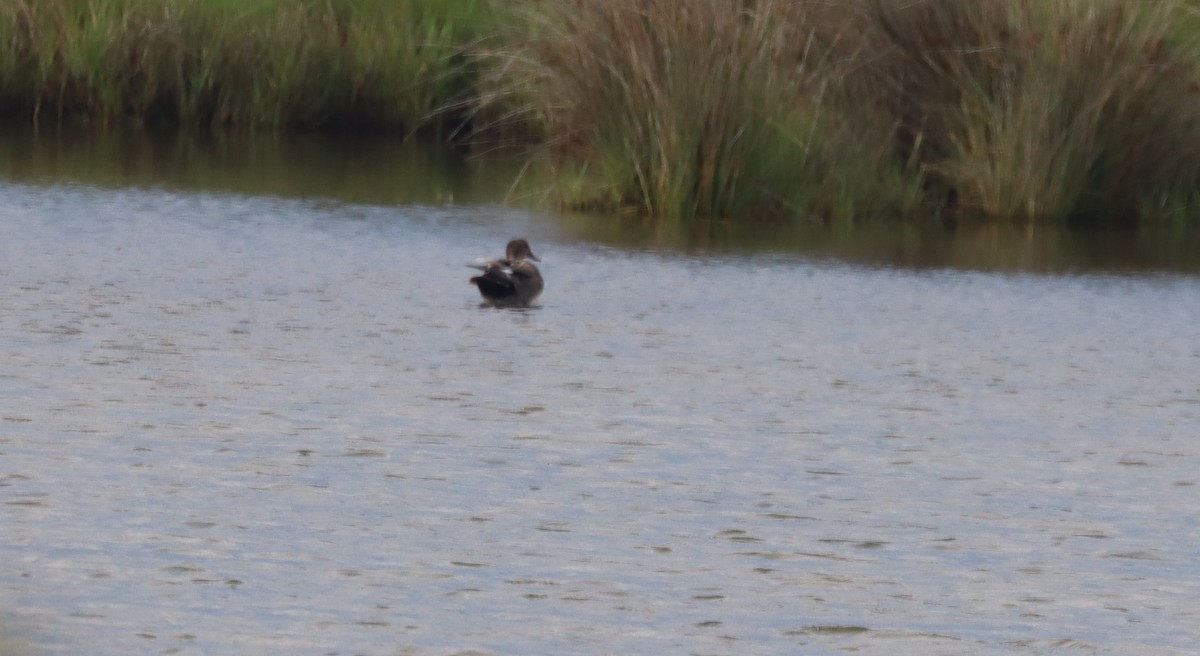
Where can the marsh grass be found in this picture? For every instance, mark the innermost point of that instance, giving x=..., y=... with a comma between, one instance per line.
x=680, y=109
x=252, y=63
x=1014, y=110
x=1001, y=109
x=1029, y=110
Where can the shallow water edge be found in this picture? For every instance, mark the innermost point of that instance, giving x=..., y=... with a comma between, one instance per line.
x=386, y=171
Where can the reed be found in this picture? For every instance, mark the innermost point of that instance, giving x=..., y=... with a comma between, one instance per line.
x=253, y=63
x=1013, y=110
x=1003, y=109
x=1028, y=110
x=679, y=109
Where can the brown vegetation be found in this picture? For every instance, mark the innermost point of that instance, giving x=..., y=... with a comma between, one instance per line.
x=999, y=109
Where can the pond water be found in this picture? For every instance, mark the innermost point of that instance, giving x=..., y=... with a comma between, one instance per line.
x=243, y=420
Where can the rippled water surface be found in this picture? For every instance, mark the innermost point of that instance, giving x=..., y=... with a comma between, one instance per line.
x=237, y=424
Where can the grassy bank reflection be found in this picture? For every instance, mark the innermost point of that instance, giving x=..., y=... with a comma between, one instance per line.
x=385, y=172
x=981, y=246
x=352, y=169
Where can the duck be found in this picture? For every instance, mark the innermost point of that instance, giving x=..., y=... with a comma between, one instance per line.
x=512, y=281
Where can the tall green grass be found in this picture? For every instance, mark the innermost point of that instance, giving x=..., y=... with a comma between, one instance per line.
x=679, y=109
x=254, y=63
x=1010, y=110
x=1004, y=109
x=1056, y=109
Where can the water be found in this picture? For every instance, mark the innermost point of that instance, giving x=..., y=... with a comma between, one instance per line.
x=237, y=423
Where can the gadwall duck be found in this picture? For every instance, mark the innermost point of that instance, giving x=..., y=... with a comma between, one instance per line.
x=512, y=281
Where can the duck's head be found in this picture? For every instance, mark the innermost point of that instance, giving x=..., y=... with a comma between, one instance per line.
x=518, y=249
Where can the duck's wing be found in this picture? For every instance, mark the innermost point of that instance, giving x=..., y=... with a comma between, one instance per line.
x=523, y=270
x=483, y=264
x=496, y=281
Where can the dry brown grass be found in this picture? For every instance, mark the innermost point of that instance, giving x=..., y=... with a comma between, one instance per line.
x=1033, y=110
x=699, y=108
x=1001, y=109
